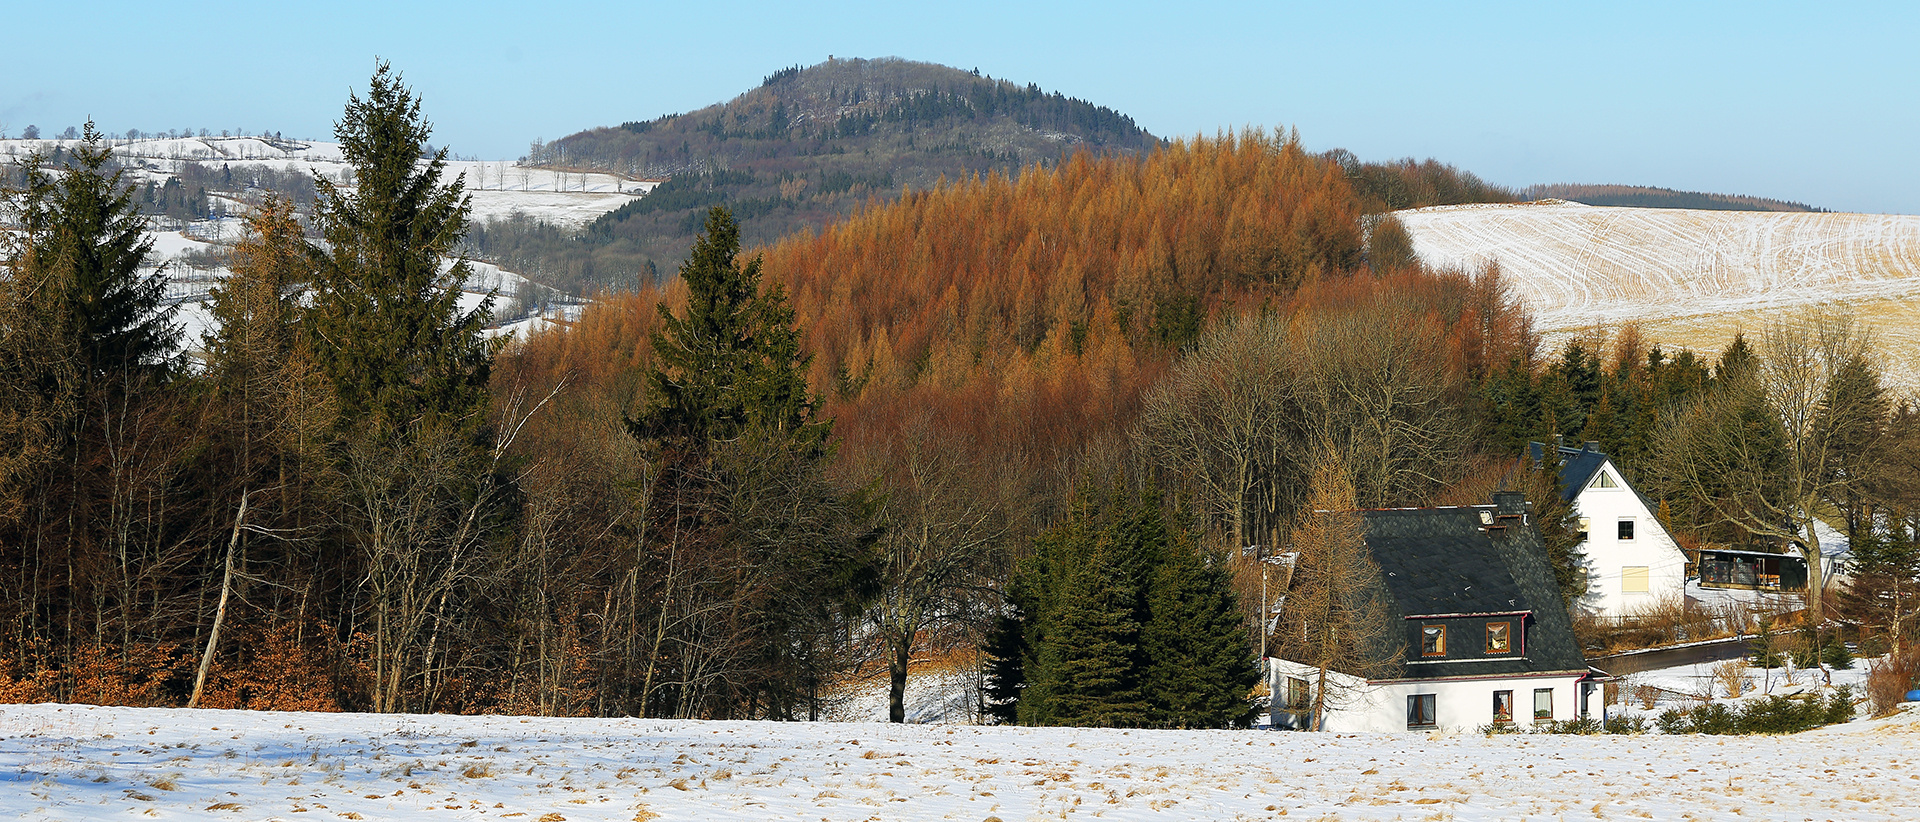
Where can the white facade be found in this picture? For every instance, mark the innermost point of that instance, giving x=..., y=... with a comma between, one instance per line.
x=1461, y=704
x=1632, y=563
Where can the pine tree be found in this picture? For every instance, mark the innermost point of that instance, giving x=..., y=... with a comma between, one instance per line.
x=386, y=319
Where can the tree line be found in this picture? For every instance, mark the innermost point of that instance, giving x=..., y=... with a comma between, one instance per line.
x=1041, y=415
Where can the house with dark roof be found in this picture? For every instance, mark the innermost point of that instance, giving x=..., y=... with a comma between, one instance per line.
x=1482, y=634
x=1632, y=562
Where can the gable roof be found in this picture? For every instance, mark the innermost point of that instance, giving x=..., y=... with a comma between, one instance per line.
x=1577, y=465
x=1446, y=561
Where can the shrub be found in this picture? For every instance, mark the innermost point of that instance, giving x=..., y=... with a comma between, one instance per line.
x=1624, y=724
x=1890, y=677
x=1773, y=715
x=1674, y=721
x=1499, y=728
x=1584, y=725
x=1714, y=718
x=1837, y=655
x=1840, y=705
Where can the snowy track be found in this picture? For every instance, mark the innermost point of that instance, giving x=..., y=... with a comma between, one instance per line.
x=76, y=762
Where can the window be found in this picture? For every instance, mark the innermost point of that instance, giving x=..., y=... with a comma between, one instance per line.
x=1633, y=579
x=1603, y=480
x=1626, y=530
x=1297, y=697
x=1433, y=640
x=1499, y=637
x=1420, y=711
x=1542, y=704
x=1585, y=523
x=1503, y=706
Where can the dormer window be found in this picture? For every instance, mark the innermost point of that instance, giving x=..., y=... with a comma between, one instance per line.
x=1433, y=640
x=1499, y=637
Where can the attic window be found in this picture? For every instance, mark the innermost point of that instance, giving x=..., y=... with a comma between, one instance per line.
x=1499, y=637
x=1603, y=480
x=1433, y=640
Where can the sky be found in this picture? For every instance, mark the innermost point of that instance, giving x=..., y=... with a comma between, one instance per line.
x=1812, y=102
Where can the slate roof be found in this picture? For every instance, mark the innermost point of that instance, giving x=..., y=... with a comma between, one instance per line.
x=1577, y=465
x=1444, y=561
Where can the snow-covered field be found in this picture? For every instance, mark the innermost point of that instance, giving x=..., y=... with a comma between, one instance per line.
x=66, y=762
x=1689, y=277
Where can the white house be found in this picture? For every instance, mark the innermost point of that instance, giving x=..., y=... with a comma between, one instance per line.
x=1632, y=563
x=1483, y=637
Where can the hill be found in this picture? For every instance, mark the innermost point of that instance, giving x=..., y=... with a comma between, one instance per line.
x=808, y=146
x=1651, y=197
x=1689, y=277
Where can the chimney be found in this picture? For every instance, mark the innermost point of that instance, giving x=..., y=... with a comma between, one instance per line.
x=1509, y=503
x=1559, y=442
x=1591, y=445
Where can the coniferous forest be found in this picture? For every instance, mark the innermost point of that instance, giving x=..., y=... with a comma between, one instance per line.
x=1032, y=417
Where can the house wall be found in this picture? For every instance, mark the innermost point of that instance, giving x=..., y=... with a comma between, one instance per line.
x=1355, y=705
x=1606, y=554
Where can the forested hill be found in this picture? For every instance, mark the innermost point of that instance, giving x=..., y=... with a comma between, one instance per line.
x=806, y=147
x=1650, y=197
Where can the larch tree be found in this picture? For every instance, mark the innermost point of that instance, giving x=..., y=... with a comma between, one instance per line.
x=1336, y=618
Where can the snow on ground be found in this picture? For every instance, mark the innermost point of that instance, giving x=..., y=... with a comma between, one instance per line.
x=500, y=188
x=77, y=762
x=1689, y=277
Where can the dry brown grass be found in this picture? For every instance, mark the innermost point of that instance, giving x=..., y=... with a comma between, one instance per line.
x=1732, y=677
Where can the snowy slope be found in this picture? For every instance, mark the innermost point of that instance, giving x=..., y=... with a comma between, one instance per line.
x=568, y=199
x=64, y=762
x=1689, y=277
x=498, y=190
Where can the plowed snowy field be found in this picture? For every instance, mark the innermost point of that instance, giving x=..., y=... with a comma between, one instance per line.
x=76, y=762
x=1689, y=277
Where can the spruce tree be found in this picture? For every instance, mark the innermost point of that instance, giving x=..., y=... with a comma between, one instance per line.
x=84, y=240
x=1199, y=663
x=1091, y=661
x=386, y=319
x=733, y=362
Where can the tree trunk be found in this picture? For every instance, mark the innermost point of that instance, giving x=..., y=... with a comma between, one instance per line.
x=220, y=611
x=897, y=678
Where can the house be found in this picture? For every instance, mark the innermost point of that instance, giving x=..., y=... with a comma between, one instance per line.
x=1481, y=630
x=1632, y=563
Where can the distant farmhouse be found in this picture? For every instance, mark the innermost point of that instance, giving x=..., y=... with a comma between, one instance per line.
x=1483, y=634
x=1631, y=561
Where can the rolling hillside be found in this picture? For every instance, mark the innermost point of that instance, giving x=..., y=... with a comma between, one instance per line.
x=807, y=147
x=1690, y=277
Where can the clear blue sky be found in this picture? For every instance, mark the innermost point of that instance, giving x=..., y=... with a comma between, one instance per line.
x=1816, y=102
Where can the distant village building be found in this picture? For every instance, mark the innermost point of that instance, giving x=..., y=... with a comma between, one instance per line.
x=1482, y=631
x=1632, y=562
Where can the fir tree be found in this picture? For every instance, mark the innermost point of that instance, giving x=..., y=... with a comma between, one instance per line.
x=1091, y=665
